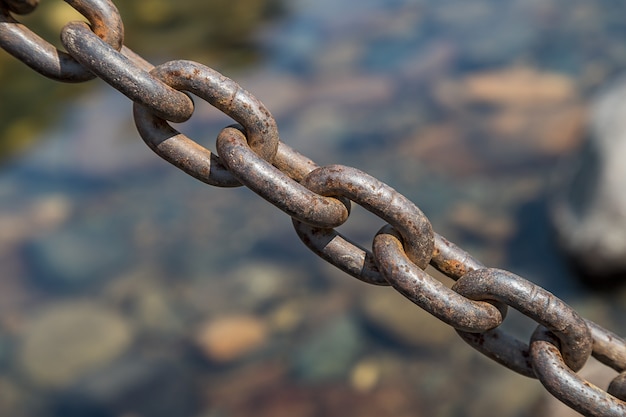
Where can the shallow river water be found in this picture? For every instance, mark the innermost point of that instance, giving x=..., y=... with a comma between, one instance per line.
x=131, y=289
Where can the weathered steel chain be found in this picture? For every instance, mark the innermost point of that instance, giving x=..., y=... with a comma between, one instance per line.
x=318, y=200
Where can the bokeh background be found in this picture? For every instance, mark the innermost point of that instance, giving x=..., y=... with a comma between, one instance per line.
x=131, y=289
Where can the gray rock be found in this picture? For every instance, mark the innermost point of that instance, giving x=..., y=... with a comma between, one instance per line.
x=83, y=253
x=590, y=215
x=330, y=352
x=69, y=340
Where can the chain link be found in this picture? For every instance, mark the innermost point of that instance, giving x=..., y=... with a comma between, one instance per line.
x=535, y=303
x=562, y=382
x=43, y=57
x=225, y=95
x=318, y=200
x=121, y=73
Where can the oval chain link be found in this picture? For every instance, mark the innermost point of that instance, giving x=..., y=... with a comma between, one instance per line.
x=427, y=292
x=275, y=186
x=491, y=284
x=124, y=75
x=225, y=95
x=42, y=56
x=340, y=251
x=381, y=200
x=608, y=348
x=559, y=379
x=318, y=199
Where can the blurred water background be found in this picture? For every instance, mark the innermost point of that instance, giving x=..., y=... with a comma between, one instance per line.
x=131, y=289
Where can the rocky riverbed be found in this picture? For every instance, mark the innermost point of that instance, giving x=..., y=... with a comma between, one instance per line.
x=130, y=288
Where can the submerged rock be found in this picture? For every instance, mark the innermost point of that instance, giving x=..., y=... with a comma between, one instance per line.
x=590, y=214
x=82, y=254
x=69, y=340
x=330, y=351
x=230, y=338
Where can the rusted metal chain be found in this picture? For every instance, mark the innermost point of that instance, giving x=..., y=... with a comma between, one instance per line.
x=122, y=74
x=534, y=302
x=225, y=95
x=562, y=382
x=318, y=200
x=430, y=294
x=276, y=187
x=43, y=57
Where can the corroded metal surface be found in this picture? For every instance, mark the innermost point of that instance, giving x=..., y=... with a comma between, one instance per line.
x=451, y=260
x=427, y=292
x=565, y=384
x=341, y=252
x=534, y=302
x=121, y=73
x=318, y=200
x=225, y=95
x=42, y=56
x=608, y=348
x=275, y=186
